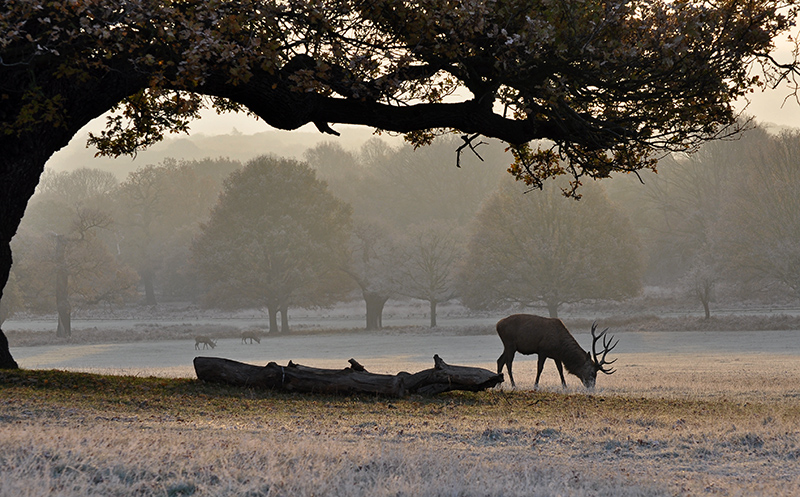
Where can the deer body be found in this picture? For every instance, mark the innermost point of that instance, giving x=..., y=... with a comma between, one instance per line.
x=206, y=341
x=250, y=335
x=548, y=337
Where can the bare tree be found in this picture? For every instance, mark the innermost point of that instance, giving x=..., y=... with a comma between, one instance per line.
x=760, y=229
x=702, y=278
x=67, y=216
x=684, y=202
x=431, y=253
x=86, y=221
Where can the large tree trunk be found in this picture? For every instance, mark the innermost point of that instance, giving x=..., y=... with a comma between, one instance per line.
x=6, y=360
x=375, y=303
x=273, y=319
x=64, y=328
x=24, y=152
x=21, y=163
x=433, y=313
x=285, y=319
x=351, y=380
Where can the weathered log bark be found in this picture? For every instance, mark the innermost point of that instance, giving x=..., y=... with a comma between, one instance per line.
x=352, y=380
x=444, y=378
x=297, y=378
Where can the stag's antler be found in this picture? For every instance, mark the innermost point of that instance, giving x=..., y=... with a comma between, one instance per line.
x=607, y=347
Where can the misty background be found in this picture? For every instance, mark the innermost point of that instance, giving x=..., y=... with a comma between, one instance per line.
x=184, y=224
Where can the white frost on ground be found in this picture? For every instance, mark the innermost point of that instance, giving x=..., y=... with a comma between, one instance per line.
x=657, y=355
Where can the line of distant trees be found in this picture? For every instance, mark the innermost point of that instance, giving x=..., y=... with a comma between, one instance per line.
x=387, y=223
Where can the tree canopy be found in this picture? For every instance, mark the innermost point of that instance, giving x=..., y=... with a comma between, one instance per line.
x=606, y=82
x=157, y=210
x=276, y=238
x=559, y=251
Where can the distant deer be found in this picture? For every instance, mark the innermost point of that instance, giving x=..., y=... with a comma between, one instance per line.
x=206, y=341
x=250, y=335
x=548, y=337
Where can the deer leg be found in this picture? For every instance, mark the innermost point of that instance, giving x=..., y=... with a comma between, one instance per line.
x=561, y=373
x=539, y=367
x=509, y=360
x=508, y=367
x=506, y=359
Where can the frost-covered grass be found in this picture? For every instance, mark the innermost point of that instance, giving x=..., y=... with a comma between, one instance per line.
x=75, y=434
x=150, y=331
x=731, y=322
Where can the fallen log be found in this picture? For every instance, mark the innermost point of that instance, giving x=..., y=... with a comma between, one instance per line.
x=296, y=378
x=444, y=378
x=351, y=380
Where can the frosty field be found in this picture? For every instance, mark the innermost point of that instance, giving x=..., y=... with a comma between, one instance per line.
x=687, y=413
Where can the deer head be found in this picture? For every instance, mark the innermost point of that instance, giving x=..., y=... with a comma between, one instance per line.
x=601, y=363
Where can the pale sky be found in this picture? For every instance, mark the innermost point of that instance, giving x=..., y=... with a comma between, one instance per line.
x=770, y=107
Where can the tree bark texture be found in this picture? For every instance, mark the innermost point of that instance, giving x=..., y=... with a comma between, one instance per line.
x=273, y=319
x=375, y=303
x=351, y=380
x=285, y=319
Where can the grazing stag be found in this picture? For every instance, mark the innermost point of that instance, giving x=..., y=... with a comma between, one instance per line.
x=548, y=337
x=250, y=335
x=206, y=341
